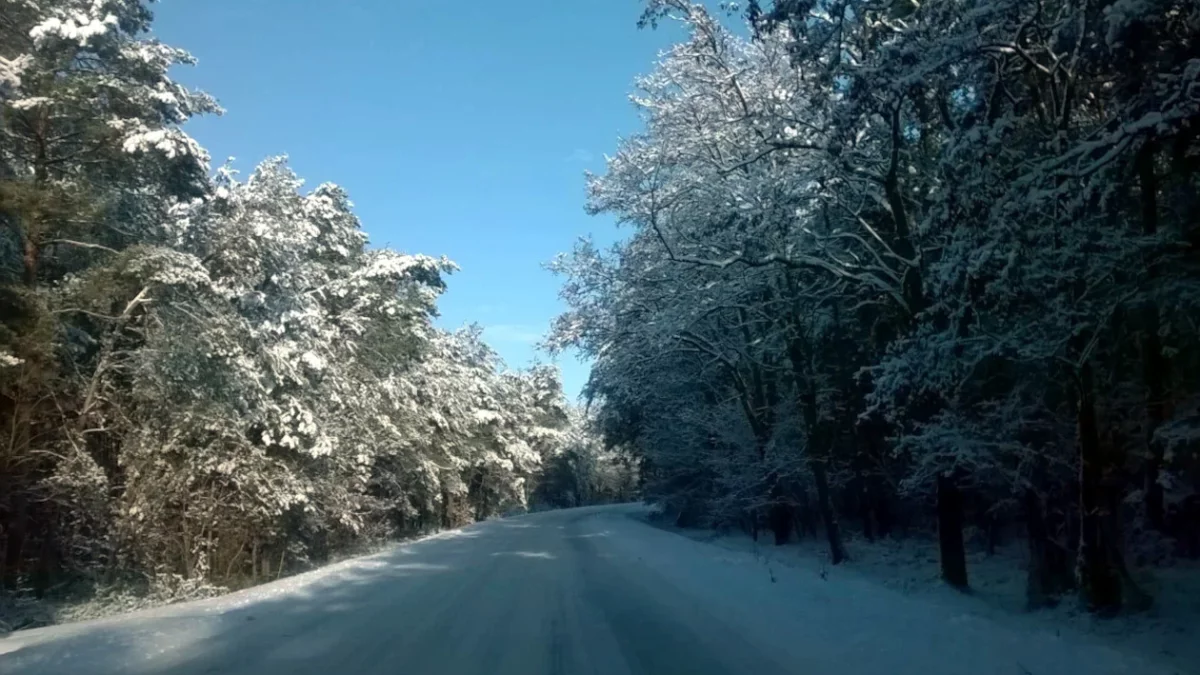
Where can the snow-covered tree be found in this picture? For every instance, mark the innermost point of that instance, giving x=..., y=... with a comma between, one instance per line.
x=92, y=158
x=209, y=379
x=931, y=252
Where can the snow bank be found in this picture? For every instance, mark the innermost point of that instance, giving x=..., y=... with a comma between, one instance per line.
x=512, y=587
x=154, y=634
x=907, y=568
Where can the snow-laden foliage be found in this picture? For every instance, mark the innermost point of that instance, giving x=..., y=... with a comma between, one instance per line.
x=887, y=253
x=582, y=470
x=208, y=379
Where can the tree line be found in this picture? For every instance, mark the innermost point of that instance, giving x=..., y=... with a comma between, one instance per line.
x=211, y=379
x=585, y=471
x=897, y=264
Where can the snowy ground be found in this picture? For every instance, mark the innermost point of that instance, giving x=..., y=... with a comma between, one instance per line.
x=1169, y=632
x=581, y=591
x=87, y=603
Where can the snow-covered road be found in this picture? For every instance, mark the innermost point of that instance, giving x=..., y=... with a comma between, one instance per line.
x=584, y=591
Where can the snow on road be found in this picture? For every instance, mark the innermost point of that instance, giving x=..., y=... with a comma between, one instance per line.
x=584, y=591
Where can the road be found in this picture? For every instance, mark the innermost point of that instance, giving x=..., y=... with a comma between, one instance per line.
x=577, y=592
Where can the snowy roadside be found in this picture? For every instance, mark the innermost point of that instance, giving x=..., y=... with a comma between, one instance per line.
x=22, y=614
x=1168, y=633
x=512, y=597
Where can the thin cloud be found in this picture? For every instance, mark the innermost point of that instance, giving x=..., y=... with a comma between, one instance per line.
x=581, y=156
x=513, y=333
x=491, y=308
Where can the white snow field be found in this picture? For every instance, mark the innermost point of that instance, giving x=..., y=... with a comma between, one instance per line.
x=583, y=591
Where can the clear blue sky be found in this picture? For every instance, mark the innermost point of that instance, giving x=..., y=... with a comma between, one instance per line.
x=459, y=129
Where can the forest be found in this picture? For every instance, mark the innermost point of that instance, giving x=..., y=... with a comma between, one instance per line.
x=889, y=269
x=208, y=381
x=894, y=266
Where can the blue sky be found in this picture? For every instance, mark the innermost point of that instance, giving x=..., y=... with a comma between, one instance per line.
x=459, y=129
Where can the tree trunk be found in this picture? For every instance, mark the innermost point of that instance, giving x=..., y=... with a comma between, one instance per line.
x=779, y=516
x=992, y=524
x=781, y=523
x=14, y=543
x=1132, y=596
x=818, y=455
x=798, y=522
x=806, y=521
x=868, y=522
x=864, y=504
x=1037, y=582
x=912, y=288
x=818, y=447
x=33, y=226
x=446, y=507
x=1049, y=574
x=483, y=500
x=883, y=512
x=1098, y=581
x=837, y=553
x=873, y=450
x=44, y=570
x=1154, y=364
x=29, y=262
x=950, y=532
x=1189, y=515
